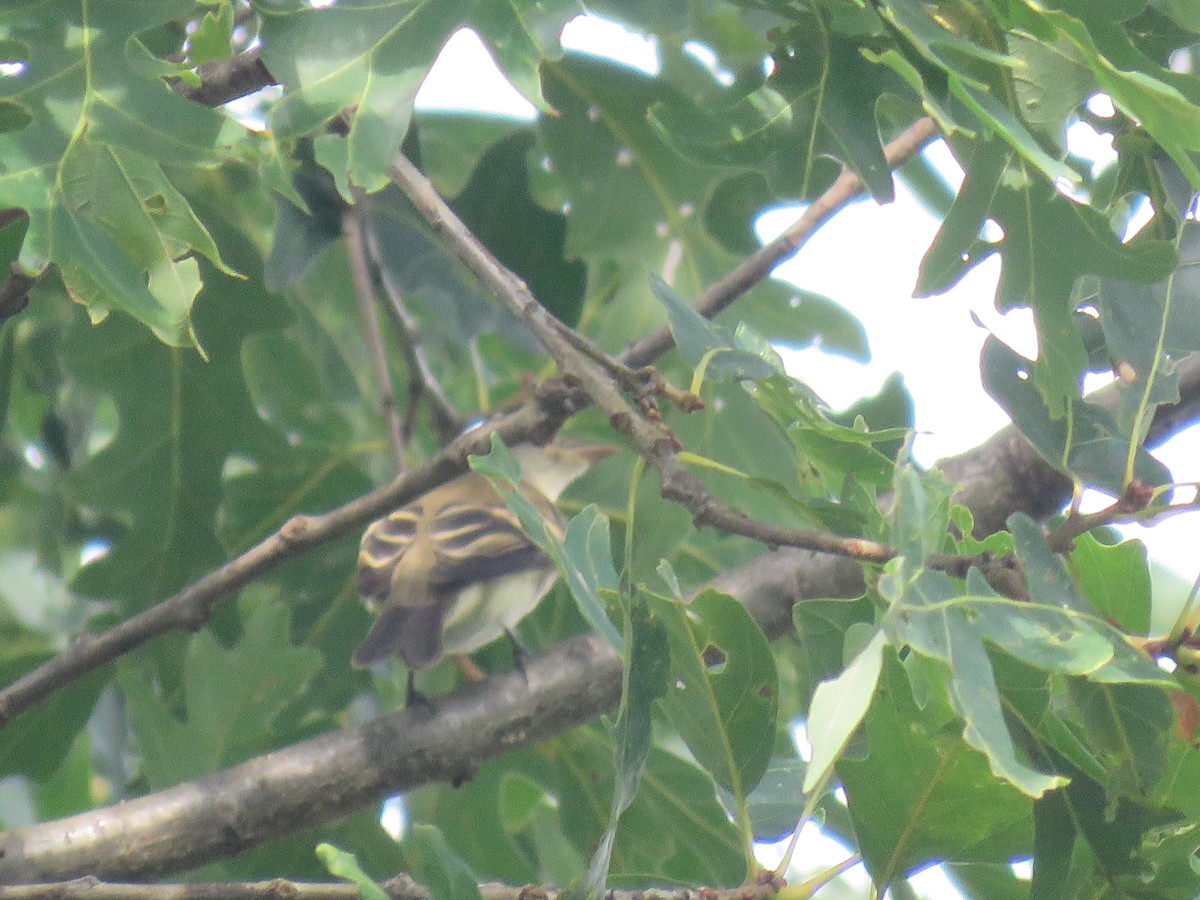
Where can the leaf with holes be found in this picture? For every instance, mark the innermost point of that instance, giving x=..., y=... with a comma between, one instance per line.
x=724, y=690
x=939, y=620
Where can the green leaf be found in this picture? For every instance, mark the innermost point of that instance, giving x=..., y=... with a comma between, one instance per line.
x=451, y=144
x=799, y=114
x=1166, y=113
x=918, y=797
x=644, y=680
x=458, y=308
x=36, y=744
x=724, y=691
x=1041, y=273
x=1116, y=581
x=435, y=864
x=831, y=450
x=498, y=207
x=69, y=789
x=1046, y=577
x=179, y=420
x=706, y=345
x=936, y=619
x=231, y=699
x=366, y=57
x=148, y=275
x=838, y=707
x=522, y=36
x=1001, y=120
x=1051, y=81
x=90, y=166
x=675, y=830
x=1128, y=725
x=344, y=865
x=1087, y=443
x=777, y=801
x=1054, y=839
x=958, y=246
x=920, y=515
x=584, y=555
x=1112, y=832
x=1149, y=327
x=821, y=627
x=601, y=147
x=212, y=38
x=529, y=811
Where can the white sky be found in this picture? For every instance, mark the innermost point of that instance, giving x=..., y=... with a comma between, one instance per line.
x=866, y=259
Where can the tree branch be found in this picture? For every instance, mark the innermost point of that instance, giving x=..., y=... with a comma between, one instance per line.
x=368, y=318
x=91, y=888
x=323, y=778
x=447, y=421
x=228, y=79
x=759, y=265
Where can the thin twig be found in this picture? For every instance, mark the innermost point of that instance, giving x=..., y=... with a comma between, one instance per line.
x=447, y=421
x=650, y=439
x=91, y=888
x=368, y=318
x=759, y=265
x=646, y=382
x=190, y=608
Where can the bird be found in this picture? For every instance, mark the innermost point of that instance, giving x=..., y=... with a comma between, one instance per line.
x=453, y=570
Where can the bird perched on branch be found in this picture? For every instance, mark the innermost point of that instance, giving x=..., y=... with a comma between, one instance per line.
x=453, y=570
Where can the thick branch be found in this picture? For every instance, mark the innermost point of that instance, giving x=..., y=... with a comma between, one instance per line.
x=228, y=79
x=323, y=778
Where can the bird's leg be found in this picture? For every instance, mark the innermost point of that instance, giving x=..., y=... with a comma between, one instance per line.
x=413, y=699
x=521, y=654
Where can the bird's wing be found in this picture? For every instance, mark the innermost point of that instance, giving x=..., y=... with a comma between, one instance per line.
x=383, y=547
x=474, y=543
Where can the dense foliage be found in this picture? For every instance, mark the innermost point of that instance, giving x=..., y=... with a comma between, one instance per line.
x=199, y=310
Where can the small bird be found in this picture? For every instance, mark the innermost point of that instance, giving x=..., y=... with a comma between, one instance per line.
x=453, y=570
